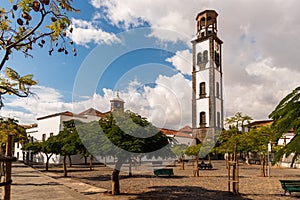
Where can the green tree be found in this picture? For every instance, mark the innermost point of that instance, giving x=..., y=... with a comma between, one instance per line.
x=69, y=143
x=11, y=127
x=256, y=141
x=286, y=117
x=124, y=135
x=194, y=150
x=48, y=148
x=178, y=150
x=23, y=26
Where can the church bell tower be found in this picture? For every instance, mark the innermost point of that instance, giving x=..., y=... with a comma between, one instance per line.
x=207, y=97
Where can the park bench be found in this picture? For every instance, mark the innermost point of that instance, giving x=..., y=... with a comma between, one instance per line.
x=205, y=166
x=290, y=186
x=164, y=171
x=202, y=166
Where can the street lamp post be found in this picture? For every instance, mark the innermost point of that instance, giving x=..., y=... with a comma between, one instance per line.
x=269, y=150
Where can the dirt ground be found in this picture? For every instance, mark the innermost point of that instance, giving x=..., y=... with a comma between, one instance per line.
x=211, y=184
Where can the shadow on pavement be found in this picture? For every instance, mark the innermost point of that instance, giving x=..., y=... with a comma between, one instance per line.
x=37, y=184
x=186, y=193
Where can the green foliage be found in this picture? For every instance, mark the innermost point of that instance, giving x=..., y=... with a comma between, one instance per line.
x=69, y=141
x=124, y=134
x=238, y=120
x=14, y=84
x=193, y=150
x=34, y=147
x=179, y=149
x=23, y=26
x=11, y=126
x=286, y=117
x=132, y=133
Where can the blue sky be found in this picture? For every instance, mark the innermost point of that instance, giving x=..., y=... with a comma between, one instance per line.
x=142, y=49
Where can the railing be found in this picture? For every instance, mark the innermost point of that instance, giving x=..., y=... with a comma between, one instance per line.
x=5, y=168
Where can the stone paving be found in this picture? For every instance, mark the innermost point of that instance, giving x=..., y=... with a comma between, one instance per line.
x=29, y=183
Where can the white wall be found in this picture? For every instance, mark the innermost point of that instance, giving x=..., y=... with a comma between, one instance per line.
x=184, y=140
x=49, y=125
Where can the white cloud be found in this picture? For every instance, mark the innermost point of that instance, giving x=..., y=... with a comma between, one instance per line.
x=46, y=101
x=85, y=32
x=165, y=105
x=262, y=93
x=159, y=14
x=182, y=60
x=168, y=104
x=260, y=53
x=96, y=3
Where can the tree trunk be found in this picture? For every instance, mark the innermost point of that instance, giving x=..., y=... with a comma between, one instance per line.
x=235, y=172
x=2, y=151
x=115, y=184
x=47, y=160
x=130, y=167
x=262, y=166
x=70, y=161
x=247, y=158
x=85, y=160
x=65, y=166
x=197, y=162
x=47, y=163
x=91, y=163
x=294, y=159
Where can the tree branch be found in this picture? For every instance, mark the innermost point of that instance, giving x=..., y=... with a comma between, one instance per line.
x=7, y=90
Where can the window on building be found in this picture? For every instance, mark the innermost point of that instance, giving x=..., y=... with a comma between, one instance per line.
x=199, y=58
x=217, y=59
x=205, y=56
x=51, y=134
x=44, y=137
x=202, y=92
x=218, y=90
x=218, y=119
x=202, y=119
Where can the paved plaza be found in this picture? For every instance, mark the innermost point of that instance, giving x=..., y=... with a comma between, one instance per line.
x=34, y=183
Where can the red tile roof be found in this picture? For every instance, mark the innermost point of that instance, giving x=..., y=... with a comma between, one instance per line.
x=66, y=113
x=93, y=112
x=174, y=133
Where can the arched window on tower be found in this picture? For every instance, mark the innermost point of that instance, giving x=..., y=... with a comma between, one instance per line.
x=199, y=58
x=202, y=119
x=202, y=26
x=202, y=92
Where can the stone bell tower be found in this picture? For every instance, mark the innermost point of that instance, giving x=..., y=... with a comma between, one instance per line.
x=117, y=104
x=207, y=97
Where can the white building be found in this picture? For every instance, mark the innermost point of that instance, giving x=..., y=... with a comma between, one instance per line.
x=182, y=136
x=51, y=125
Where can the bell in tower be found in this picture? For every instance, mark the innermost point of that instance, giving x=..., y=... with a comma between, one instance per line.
x=206, y=23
